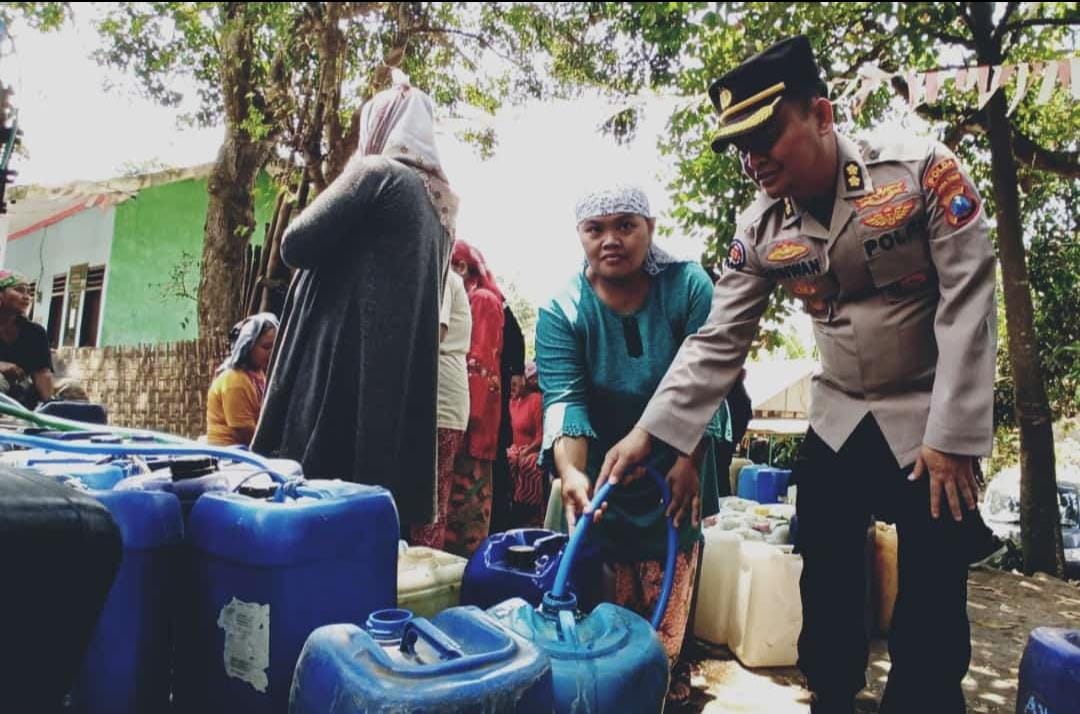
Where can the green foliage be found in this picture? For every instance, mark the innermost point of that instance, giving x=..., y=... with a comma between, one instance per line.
x=40, y=16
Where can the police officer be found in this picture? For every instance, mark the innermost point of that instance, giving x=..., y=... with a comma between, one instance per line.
x=885, y=245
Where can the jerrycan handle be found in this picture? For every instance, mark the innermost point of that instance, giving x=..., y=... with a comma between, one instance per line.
x=421, y=627
x=559, y=590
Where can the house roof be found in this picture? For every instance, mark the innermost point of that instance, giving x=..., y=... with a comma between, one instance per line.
x=33, y=208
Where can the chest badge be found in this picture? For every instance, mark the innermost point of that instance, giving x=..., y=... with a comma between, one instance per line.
x=785, y=251
x=891, y=216
x=881, y=195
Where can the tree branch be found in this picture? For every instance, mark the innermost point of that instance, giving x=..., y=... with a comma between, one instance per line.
x=1002, y=28
x=1044, y=21
x=1026, y=151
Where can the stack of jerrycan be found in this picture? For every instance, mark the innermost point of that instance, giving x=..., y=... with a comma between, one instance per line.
x=459, y=662
x=514, y=658
x=62, y=549
x=748, y=594
x=763, y=484
x=1050, y=672
x=265, y=572
x=95, y=471
x=522, y=563
x=428, y=580
x=609, y=660
x=128, y=664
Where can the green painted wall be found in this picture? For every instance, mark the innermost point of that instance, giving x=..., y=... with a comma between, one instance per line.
x=157, y=243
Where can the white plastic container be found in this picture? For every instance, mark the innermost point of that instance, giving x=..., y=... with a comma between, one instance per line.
x=429, y=580
x=767, y=614
x=716, y=585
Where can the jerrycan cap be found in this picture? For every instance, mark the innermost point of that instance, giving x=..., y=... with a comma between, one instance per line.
x=388, y=625
x=521, y=557
x=552, y=604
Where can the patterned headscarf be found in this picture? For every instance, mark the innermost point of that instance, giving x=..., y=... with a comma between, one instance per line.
x=623, y=198
x=400, y=123
x=8, y=278
x=478, y=276
x=243, y=337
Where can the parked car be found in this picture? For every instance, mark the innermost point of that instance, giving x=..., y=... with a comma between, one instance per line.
x=1001, y=509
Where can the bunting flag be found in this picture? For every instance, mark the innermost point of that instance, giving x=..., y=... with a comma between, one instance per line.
x=1017, y=80
x=1021, y=88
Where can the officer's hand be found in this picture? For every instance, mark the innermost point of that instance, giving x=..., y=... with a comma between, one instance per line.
x=685, y=492
x=951, y=473
x=11, y=371
x=575, y=496
x=621, y=463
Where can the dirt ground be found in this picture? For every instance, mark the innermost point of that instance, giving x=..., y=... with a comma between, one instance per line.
x=1003, y=607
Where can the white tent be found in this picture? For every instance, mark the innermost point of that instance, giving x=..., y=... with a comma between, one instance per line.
x=780, y=395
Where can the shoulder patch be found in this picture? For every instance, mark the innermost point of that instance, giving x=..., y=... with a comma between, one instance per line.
x=955, y=195
x=736, y=258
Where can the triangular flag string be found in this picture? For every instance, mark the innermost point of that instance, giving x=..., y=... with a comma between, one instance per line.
x=986, y=80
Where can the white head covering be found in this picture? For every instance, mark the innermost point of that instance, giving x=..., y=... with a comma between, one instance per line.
x=243, y=337
x=624, y=198
x=400, y=123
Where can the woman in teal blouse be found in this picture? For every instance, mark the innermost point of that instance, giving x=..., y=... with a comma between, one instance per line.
x=602, y=347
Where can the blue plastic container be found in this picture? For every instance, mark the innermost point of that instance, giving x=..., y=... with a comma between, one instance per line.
x=127, y=668
x=763, y=484
x=522, y=563
x=1050, y=673
x=460, y=661
x=265, y=573
x=96, y=477
x=747, y=480
x=610, y=660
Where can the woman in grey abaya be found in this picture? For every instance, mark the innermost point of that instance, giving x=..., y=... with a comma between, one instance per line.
x=352, y=391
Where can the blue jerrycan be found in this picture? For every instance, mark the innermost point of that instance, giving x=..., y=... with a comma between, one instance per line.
x=522, y=563
x=459, y=662
x=265, y=572
x=1050, y=673
x=610, y=660
x=128, y=665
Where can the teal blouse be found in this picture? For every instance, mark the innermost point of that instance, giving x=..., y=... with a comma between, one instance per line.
x=598, y=369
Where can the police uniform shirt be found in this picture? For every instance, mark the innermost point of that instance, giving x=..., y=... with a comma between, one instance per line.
x=900, y=289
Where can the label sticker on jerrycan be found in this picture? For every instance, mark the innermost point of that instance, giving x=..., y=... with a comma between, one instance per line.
x=1034, y=706
x=247, y=642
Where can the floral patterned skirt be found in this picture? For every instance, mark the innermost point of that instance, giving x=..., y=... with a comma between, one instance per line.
x=433, y=535
x=468, y=518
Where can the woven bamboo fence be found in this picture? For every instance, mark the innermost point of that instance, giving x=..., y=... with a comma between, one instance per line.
x=160, y=387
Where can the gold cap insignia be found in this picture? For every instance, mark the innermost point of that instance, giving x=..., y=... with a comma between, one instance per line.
x=725, y=98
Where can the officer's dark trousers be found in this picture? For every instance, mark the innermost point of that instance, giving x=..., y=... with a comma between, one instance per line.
x=930, y=642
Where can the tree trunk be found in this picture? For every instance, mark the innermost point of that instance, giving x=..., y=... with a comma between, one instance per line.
x=230, y=223
x=1040, y=522
x=230, y=213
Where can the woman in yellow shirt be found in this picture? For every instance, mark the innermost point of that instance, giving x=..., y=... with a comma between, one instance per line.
x=236, y=395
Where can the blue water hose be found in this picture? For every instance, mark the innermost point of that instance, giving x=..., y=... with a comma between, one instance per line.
x=562, y=576
x=193, y=449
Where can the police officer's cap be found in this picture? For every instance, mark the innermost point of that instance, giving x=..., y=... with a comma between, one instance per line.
x=746, y=97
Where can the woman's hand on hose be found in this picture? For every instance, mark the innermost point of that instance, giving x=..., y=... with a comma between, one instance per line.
x=685, y=488
x=575, y=495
